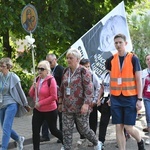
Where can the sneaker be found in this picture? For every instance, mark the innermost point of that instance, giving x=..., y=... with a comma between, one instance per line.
x=62, y=148
x=147, y=142
x=43, y=139
x=98, y=146
x=141, y=145
x=58, y=141
x=20, y=143
x=103, y=147
x=81, y=141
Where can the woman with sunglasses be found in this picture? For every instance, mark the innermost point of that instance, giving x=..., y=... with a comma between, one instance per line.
x=45, y=104
x=12, y=103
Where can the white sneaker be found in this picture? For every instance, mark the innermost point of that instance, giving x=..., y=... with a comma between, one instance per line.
x=81, y=141
x=98, y=146
x=147, y=141
x=20, y=143
x=62, y=148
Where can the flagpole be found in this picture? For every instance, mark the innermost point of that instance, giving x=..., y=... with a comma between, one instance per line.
x=33, y=63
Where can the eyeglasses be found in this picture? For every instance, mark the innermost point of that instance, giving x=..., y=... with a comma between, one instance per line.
x=2, y=66
x=41, y=69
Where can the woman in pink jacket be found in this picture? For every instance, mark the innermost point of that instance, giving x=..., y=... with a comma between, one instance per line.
x=45, y=103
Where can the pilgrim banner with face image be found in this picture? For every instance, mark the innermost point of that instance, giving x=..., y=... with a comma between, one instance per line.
x=98, y=43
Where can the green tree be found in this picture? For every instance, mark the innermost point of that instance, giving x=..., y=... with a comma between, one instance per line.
x=60, y=24
x=139, y=25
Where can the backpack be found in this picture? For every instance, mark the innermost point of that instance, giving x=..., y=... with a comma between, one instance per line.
x=48, y=81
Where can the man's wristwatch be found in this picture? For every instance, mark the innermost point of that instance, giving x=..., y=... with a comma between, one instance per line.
x=140, y=99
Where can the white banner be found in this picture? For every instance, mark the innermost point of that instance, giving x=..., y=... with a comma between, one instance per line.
x=98, y=43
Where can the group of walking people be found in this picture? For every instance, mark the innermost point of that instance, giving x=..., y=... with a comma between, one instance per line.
x=75, y=93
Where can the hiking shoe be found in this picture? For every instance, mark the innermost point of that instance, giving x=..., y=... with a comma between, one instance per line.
x=42, y=139
x=141, y=145
x=81, y=141
x=58, y=141
x=98, y=146
x=20, y=143
x=147, y=141
x=62, y=148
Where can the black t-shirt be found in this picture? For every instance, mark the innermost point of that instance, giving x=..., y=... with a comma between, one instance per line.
x=57, y=73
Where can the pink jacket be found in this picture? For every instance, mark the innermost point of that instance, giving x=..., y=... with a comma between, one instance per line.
x=47, y=94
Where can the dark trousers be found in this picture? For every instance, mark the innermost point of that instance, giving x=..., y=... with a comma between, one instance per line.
x=45, y=131
x=105, y=111
x=92, y=121
x=37, y=121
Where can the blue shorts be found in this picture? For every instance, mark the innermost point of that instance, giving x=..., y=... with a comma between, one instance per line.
x=123, y=109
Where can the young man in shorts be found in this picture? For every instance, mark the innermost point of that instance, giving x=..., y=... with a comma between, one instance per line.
x=126, y=92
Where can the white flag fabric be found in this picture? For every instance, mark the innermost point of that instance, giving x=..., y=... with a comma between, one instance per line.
x=98, y=43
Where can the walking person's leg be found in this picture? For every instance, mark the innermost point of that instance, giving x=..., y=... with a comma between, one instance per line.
x=51, y=119
x=117, y=119
x=7, y=117
x=120, y=137
x=93, y=119
x=68, y=125
x=147, y=112
x=45, y=132
x=82, y=121
x=60, y=124
x=82, y=138
x=104, y=121
x=37, y=120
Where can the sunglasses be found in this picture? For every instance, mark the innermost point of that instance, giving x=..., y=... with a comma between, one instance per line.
x=41, y=69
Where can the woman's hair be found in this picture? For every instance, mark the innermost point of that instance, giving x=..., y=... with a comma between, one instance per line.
x=45, y=64
x=7, y=61
x=75, y=52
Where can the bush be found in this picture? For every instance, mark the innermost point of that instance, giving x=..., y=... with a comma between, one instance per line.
x=26, y=80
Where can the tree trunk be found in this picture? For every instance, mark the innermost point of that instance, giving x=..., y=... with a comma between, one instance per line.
x=6, y=44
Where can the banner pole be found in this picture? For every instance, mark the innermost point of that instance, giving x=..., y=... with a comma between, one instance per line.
x=33, y=62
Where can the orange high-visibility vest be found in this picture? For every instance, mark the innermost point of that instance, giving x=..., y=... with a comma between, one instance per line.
x=122, y=80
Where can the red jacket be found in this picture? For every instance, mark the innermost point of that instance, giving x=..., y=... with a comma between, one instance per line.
x=47, y=94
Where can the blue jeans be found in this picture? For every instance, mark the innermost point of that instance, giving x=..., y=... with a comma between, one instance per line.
x=147, y=110
x=7, y=115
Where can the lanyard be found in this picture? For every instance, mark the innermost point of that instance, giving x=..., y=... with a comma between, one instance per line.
x=54, y=70
x=70, y=76
x=3, y=83
x=121, y=66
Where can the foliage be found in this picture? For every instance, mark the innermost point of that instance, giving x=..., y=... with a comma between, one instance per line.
x=139, y=25
x=60, y=24
x=26, y=80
